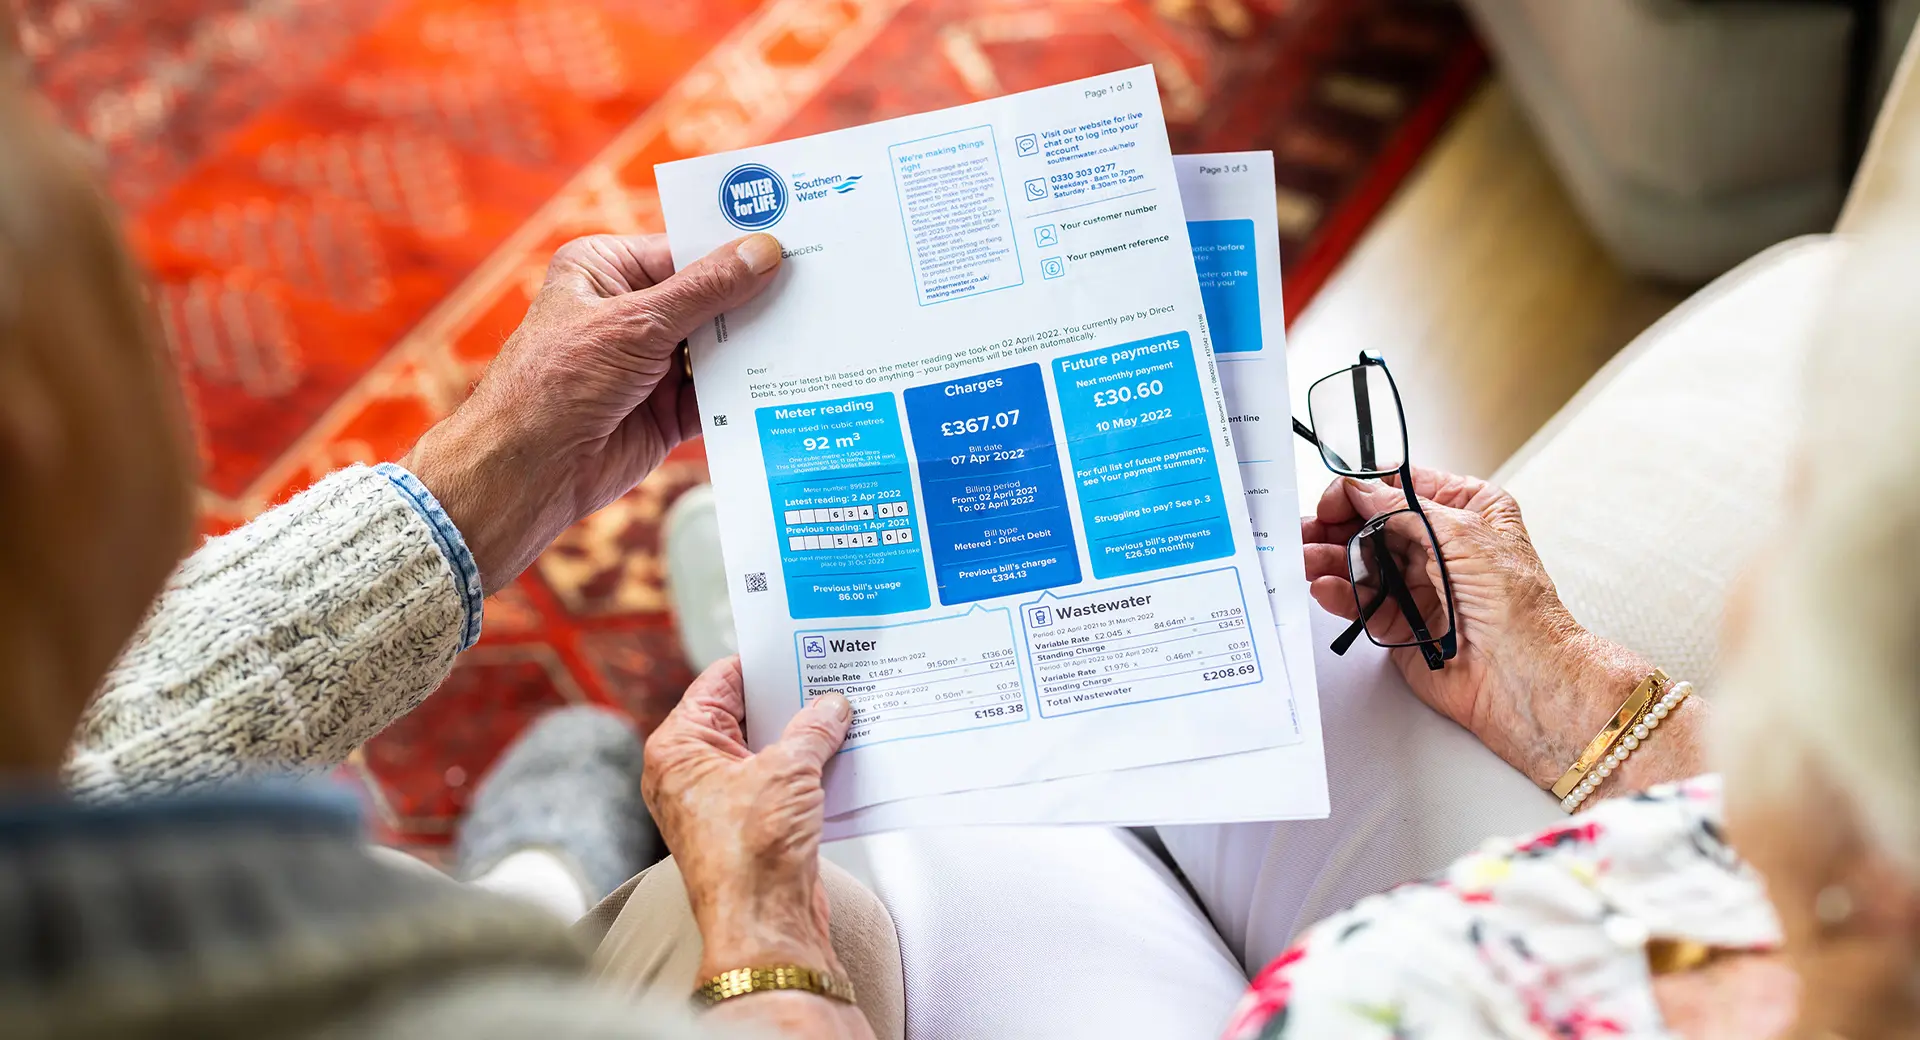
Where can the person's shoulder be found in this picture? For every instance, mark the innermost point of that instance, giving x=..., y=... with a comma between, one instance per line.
x=1503, y=929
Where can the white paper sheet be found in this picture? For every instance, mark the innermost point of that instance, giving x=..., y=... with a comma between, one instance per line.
x=1283, y=783
x=971, y=453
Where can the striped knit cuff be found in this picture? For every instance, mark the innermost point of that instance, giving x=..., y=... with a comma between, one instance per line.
x=466, y=574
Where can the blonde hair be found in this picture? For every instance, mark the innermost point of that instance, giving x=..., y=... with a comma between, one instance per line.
x=95, y=462
x=1828, y=676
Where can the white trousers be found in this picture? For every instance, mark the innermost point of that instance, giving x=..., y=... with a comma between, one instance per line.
x=534, y=875
x=1062, y=933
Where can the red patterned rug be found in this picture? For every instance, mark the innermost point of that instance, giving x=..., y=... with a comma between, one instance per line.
x=346, y=203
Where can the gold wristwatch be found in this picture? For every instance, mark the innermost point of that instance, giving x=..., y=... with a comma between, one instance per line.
x=741, y=981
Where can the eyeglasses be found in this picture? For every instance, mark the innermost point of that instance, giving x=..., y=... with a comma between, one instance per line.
x=1354, y=417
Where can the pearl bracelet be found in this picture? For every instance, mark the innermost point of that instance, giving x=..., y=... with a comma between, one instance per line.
x=1655, y=713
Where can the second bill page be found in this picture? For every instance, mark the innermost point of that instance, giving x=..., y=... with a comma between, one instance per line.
x=971, y=449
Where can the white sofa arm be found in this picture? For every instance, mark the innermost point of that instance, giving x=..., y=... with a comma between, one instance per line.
x=1650, y=491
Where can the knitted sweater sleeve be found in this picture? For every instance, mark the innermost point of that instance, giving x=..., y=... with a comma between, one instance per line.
x=285, y=645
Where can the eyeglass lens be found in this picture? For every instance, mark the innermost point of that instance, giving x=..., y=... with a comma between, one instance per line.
x=1356, y=418
x=1393, y=564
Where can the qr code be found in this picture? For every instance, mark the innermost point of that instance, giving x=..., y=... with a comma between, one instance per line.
x=757, y=581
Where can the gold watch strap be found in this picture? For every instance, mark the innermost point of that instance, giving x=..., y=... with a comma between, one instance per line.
x=741, y=981
x=1610, y=733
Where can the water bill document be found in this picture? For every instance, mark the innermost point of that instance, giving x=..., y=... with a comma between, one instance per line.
x=972, y=453
x=1234, y=228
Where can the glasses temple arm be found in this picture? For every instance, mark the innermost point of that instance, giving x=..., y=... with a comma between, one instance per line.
x=1363, y=414
x=1393, y=586
x=1345, y=642
x=1305, y=433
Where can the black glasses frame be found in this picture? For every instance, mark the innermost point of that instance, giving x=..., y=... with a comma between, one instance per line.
x=1370, y=542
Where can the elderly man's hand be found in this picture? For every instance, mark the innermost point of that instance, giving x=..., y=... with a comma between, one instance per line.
x=586, y=398
x=745, y=828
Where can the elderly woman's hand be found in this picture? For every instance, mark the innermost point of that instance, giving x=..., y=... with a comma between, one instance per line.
x=744, y=827
x=1529, y=681
x=586, y=398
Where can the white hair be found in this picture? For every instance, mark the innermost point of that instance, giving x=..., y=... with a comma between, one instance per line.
x=1827, y=676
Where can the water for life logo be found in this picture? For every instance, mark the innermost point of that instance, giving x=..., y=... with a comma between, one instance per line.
x=752, y=197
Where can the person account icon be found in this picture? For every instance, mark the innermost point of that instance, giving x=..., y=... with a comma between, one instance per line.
x=813, y=646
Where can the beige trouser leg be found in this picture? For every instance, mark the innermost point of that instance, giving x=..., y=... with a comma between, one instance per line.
x=647, y=941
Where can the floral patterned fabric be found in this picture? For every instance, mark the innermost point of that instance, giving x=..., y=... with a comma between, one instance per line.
x=1541, y=937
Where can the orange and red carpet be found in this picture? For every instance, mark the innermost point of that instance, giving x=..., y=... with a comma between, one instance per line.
x=345, y=205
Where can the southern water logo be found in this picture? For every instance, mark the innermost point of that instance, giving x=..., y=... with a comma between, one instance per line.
x=806, y=189
x=752, y=197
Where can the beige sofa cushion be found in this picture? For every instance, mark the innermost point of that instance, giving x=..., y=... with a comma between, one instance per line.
x=1650, y=491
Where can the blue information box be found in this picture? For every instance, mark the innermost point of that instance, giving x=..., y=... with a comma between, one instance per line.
x=1143, y=458
x=1223, y=254
x=997, y=516
x=842, y=494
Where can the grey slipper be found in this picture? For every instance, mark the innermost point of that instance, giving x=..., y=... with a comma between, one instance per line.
x=569, y=784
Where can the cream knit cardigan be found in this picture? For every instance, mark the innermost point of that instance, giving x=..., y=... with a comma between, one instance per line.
x=280, y=648
x=285, y=645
